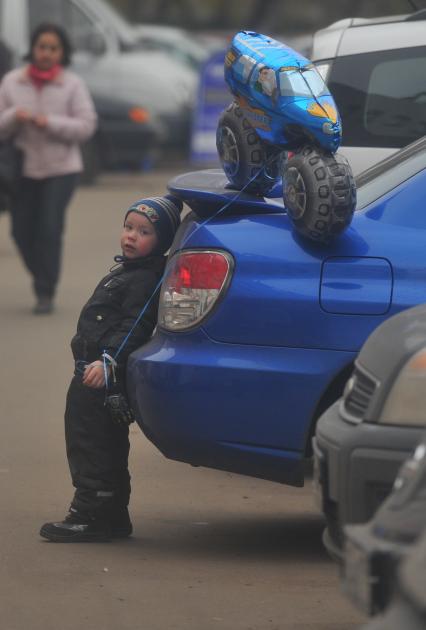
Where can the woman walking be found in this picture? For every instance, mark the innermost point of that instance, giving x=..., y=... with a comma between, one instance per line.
x=48, y=112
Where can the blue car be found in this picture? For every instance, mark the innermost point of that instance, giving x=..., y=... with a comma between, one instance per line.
x=258, y=327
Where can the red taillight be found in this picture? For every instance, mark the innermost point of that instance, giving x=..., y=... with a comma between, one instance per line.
x=191, y=287
x=138, y=115
x=199, y=271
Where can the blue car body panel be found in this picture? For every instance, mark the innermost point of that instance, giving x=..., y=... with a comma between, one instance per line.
x=280, y=92
x=229, y=406
x=241, y=391
x=356, y=285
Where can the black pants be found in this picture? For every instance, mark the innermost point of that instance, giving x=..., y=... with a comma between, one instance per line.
x=38, y=212
x=98, y=452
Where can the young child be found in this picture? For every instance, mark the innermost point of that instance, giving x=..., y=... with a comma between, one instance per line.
x=97, y=444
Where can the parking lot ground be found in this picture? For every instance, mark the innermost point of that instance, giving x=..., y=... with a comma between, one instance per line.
x=210, y=550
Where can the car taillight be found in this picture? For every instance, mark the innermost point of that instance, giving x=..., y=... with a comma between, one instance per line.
x=192, y=285
x=138, y=115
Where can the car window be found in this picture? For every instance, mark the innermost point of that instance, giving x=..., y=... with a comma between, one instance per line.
x=381, y=97
x=82, y=31
x=387, y=175
x=244, y=66
x=43, y=10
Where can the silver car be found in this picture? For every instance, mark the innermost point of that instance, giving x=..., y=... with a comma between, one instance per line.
x=375, y=69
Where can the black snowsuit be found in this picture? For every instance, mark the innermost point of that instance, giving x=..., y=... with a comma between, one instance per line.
x=97, y=447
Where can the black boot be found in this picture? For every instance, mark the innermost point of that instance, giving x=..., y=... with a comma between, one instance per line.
x=77, y=528
x=121, y=525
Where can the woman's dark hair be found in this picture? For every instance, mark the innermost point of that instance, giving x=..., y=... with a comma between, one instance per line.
x=49, y=27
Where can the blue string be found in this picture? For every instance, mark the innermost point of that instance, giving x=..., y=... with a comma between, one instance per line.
x=105, y=369
x=198, y=227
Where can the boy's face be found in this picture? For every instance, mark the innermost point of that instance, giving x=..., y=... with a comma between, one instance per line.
x=138, y=237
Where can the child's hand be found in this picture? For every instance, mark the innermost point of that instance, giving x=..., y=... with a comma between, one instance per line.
x=94, y=375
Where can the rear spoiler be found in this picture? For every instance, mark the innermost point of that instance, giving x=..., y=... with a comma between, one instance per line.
x=209, y=192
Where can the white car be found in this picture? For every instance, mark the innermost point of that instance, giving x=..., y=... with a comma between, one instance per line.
x=176, y=42
x=375, y=69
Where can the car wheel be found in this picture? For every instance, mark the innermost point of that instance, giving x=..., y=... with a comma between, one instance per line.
x=319, y=193
x=247, y=161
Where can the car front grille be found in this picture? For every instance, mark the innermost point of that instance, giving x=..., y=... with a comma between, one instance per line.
x=357, y=396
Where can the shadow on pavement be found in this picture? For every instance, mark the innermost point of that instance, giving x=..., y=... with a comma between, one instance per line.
x=296, y=537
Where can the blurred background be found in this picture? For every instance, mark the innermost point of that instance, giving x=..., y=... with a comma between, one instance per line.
x=155, y=68
x=205, y=28
x=270, y=16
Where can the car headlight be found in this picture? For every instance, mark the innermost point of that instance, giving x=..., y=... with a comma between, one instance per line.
x=410, y=467
x=406, y=402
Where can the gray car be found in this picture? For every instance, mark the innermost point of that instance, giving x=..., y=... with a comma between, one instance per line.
x=362, y=440
x=375, y=551
x=407, y=610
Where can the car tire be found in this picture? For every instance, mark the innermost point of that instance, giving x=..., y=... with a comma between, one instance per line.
x=319, y=193
x=247, y=161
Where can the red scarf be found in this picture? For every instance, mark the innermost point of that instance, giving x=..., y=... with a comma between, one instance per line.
x=41, y=77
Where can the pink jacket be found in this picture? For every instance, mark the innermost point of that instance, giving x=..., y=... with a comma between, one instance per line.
x=71, y=117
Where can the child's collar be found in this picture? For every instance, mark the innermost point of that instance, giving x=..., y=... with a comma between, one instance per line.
x=134, y=262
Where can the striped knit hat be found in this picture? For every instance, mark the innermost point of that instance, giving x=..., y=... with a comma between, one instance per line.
x=164, y=214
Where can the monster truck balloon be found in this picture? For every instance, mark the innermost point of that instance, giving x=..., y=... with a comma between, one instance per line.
x=284, y=123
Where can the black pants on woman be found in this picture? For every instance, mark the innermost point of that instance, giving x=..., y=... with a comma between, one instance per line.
x=98, y=452
x=38, y=214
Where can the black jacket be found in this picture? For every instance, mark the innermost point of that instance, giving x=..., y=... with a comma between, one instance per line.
x=110, y=313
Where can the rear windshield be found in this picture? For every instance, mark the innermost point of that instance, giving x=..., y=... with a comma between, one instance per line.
x=387, y=175
x=381, y=97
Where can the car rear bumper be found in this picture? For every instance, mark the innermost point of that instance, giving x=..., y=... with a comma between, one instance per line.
x=355, y=466
x=245, y=409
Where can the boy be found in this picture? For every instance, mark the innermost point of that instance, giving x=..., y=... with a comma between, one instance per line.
x=96, y=433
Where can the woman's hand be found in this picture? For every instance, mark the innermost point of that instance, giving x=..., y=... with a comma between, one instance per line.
x=40, y=121
x=23, y=116
x=94, y=375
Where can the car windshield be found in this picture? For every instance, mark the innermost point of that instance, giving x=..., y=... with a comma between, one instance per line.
x=390, y=173
x=305, y=82
x=116, y=22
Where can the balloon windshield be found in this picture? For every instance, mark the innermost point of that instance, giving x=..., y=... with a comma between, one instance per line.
x=304, y=82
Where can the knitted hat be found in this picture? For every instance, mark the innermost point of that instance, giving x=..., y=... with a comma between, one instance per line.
x=164, y=214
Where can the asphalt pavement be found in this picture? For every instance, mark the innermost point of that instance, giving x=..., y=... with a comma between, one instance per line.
x=210, y=551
